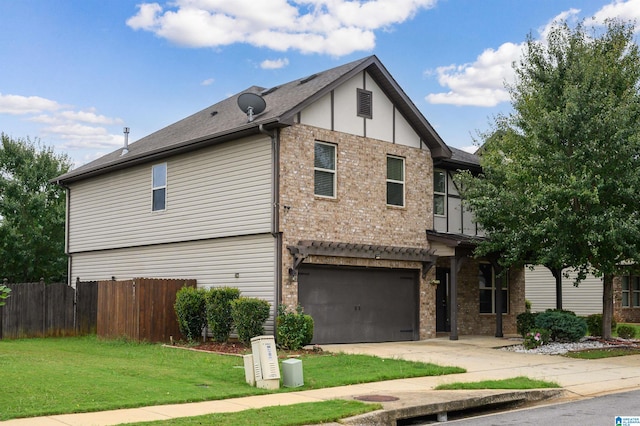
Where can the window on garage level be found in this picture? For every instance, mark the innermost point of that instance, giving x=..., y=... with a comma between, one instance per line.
x=488, y=295
x=159, y=187
x=395, y=181
x=439, y=192
x=325, y=169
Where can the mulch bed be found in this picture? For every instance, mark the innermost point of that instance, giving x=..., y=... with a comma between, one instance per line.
x=238, y=349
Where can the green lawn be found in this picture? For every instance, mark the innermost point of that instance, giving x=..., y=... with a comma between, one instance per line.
x=80, y=374
x=519, y=382
x=290, y=415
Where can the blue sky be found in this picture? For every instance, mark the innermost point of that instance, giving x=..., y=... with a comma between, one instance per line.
x=73, y=73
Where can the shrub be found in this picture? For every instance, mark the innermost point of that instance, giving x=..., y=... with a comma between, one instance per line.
x=249, y=315
x=295, y=329
x=218, y=302
x=525, y=322
x=563, y=325
x=190, y=309
x=594, y=324
x=626, y=331
x=527, y=305
x=536, y=337
x=4, y=293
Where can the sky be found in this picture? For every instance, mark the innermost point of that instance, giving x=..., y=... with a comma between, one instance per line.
x=73, y=73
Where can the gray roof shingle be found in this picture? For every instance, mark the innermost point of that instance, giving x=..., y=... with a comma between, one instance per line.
x=224, y=121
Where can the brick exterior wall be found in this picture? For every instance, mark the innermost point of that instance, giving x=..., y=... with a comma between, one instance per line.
x=359, y=213
x=623, y=314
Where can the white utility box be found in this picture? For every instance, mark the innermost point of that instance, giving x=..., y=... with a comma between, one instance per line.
x=265, y=362
x=249, y=372
x=292, y=376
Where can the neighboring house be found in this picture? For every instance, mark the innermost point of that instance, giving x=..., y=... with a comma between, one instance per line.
x=586, y=298
x=325, y=199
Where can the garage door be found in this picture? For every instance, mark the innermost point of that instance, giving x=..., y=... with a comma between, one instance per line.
x=351, y=305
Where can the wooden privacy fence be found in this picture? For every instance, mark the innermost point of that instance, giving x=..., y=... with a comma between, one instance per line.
x=40, y=310
x=140, y=309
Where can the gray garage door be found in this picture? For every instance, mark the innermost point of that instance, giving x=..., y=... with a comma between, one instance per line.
x=351, y=305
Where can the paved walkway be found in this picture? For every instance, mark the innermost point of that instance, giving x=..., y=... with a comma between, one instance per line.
x=580, y=378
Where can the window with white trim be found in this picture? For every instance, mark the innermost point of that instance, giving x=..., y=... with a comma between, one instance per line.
x=395, y=181
x=159, y=187
x=630, y=291
x=324, y=164
x=439, y=192
x=487, y=285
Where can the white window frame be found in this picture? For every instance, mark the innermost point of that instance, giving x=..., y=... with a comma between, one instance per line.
x=400, y=182
x=155, y=187
x=333, y=171
x=439, y=193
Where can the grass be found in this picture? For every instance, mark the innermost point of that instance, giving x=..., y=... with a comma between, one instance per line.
x=602, y=353
x=81, y=374
x=519, y=382
x=290, y=415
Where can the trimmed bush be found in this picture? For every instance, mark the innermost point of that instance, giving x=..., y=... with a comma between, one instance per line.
x=594, y=324
x=525, y=322
x=626, y=331
x=190, y=309
x=249, y=315
x=536, y=337
x=295, y=329
x=218, y=302
x=564, y=326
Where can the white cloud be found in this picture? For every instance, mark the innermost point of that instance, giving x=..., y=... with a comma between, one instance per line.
x=274, y=64
x=207, y=82
x=79, y=136
x=626, y=10
x=482, y=82
x=18, y=105
x=334, y=27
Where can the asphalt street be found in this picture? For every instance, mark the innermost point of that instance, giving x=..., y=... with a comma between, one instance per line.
x=598, y=411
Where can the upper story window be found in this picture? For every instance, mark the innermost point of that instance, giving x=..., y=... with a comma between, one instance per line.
x=488, y=291
x=365, y=103
x=439, y=192
x=630, y=292
x=324, y=164
x=395, y=181
x=159, y=187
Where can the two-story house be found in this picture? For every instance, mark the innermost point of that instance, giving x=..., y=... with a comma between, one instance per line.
x=333, y=192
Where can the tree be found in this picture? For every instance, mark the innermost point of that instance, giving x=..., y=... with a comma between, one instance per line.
x=32, y=212
x=561, y=174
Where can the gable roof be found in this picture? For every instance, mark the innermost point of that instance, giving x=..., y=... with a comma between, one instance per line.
x=224, y=121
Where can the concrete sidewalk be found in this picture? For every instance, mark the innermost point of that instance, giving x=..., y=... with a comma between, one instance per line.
x=478, y=355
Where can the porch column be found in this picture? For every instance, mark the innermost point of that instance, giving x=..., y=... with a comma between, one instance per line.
x=498, y=296
x=453, y=298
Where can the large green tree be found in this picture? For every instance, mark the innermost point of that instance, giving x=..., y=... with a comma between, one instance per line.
x=561, y=174
x=32, y=212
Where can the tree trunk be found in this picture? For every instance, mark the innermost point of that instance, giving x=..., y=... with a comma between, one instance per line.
x=557, y=274
x=607, y=305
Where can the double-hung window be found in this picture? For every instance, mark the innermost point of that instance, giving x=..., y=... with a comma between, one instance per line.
x=630, y=292
x=488, y=292
x=439, y=192
x=324, y=170
x=395, y=181
x=159, y=187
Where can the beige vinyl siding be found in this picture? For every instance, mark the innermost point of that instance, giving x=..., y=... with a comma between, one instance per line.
x=220, y=191
x=212, y=262
x=540, y=290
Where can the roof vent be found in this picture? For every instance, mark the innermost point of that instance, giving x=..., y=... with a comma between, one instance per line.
x=273, y=89
x=308, y=79
x=214, y=113
x=126, y=141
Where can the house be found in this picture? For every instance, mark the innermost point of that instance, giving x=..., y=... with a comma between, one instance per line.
x=322, y=194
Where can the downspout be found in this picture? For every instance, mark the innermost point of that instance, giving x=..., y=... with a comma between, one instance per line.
x=66, y=228
x=275, y=211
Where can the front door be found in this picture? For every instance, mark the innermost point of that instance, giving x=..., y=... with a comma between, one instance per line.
x=442, y=300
